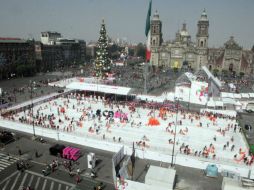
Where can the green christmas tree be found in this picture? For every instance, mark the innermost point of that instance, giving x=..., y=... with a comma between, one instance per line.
x=102, y=61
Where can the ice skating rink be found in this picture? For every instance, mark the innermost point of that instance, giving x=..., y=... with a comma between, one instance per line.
x=200, y=139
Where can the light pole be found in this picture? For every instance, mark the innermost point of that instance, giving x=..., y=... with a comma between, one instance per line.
x=32, y=83
x=173, y=151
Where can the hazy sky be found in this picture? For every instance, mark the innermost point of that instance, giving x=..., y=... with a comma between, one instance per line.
x=126, y=18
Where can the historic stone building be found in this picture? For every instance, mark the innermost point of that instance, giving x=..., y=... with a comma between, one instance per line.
x=16, y=55
x=182, y=52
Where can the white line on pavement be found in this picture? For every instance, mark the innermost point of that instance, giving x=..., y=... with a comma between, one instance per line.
x=52, y=185
x=23, y=181
x=44, y=184
x=59, y=186
x=13, y=174
x=31, y=179
x=16, y=179
x=6, y=184
x=50, y=178
x=37, y=182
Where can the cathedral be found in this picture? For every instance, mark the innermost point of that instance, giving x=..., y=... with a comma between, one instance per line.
x=182, y=52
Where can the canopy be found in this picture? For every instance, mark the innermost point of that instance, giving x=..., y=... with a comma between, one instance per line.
x=210, y=103
x=237, y=96
x=251, y=95
x=151, y=98
x=245, y=95
x=228, y=101
x=108, y=89
x=219, y=104
x=231, y=113
x=227, y=95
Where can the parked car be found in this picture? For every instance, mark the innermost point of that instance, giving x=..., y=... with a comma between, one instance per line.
x=57, y=150
x=60, y=91
x=6, y=137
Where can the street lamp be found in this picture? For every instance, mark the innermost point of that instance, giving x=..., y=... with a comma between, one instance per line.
x=32, y=84
x=173, y=151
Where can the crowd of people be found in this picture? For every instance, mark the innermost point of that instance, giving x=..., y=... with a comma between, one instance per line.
x=134, y=77
x=110, y=119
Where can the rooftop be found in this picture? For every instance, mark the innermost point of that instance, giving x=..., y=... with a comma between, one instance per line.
x=11, y=40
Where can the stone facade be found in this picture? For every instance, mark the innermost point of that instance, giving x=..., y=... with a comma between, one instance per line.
x=182, y=52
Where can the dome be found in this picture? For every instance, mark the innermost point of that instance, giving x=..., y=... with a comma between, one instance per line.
x=184, y=31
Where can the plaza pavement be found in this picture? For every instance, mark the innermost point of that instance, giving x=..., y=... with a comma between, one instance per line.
x=187, y=178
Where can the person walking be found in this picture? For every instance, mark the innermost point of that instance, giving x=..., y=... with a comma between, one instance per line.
x=77, y=178
x=19, y=151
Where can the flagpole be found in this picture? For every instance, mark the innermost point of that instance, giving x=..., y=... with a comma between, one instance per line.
x=148, y=45
x=145, y=82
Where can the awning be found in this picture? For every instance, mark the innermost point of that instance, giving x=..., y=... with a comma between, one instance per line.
x=228, y=101
x=245, y=95
x=238, y=104
x=251, y=95
x=237, y=96
x=219, y=104
x=210, y=103
x=108, y=89
x=151, y=98
x=227, y=95
x=223, y=112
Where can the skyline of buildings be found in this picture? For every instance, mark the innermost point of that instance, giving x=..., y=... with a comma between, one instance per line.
x=78, y=20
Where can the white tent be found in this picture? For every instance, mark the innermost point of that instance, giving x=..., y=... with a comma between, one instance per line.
x=231, y=113
x=108, y=89
x=151, y=98
x=251, y=95
x=229, y=101
x=237, y=96
x=219, y=104
x=210, y=103
x=227, y=95
x=245, y=95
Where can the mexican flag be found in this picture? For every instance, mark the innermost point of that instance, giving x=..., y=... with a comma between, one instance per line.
x=148, y=33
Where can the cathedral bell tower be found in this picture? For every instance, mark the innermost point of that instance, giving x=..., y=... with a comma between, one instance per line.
x=156, y=34
x=156, y=39
x=202, y=39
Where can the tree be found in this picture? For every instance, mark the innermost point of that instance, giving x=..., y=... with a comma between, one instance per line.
x=26, y=70
x=140, y=50
x=241, y=74
x=102, y=61
x=131, y=52
x=215, y=72
x=224, y=73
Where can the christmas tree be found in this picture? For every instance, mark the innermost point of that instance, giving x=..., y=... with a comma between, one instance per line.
x=102, y=61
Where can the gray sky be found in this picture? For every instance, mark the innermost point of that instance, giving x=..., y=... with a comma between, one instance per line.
x=126, y=18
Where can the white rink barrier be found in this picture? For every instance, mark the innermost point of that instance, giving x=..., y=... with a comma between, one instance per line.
x=98, y=143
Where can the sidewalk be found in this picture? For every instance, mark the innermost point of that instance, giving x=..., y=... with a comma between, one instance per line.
x=29, y=147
